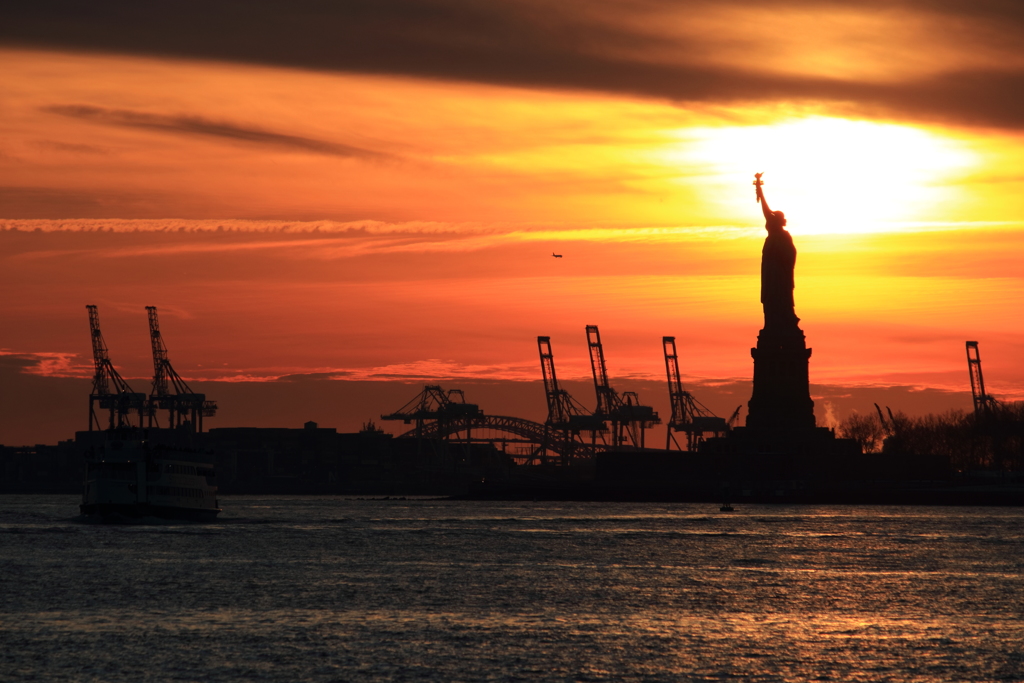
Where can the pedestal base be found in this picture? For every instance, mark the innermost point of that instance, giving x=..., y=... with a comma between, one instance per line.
x=781, y=401
x=754, y=455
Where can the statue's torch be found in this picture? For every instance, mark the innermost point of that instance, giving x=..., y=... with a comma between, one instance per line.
x=757, y=186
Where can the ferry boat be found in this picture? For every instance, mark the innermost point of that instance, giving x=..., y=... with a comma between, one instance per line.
x=128, y=476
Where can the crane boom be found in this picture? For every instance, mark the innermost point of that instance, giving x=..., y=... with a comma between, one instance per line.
x=556, y=409
x=160, y=362
x=607, y=399
x=982, y=401
x=100, y=356
x=675, y=383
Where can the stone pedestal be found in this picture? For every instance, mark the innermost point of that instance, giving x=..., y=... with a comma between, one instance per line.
x=781, y=401
x=780, y=447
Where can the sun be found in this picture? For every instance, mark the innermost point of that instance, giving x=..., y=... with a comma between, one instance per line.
x=831, y=175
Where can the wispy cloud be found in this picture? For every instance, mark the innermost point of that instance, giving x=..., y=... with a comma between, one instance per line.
x=197, y=125
x=328, y=240
x=429, y=370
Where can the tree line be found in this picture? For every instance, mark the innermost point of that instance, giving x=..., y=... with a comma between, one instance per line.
x=990, y=440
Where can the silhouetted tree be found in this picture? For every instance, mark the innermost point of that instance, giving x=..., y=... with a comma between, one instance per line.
x=866, y=430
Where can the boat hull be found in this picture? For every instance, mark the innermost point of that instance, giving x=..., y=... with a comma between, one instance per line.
x=113, y=511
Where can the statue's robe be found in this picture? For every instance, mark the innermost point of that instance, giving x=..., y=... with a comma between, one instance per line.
x=778, y=259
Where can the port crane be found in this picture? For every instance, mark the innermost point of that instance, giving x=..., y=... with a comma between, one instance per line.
x=888, y=425
x=688, y=414
x=735, y=416
x=448, y=408
x=109, y=390
x=983, y=403
x=185, y=408
x=629, y=419
x=566, y=415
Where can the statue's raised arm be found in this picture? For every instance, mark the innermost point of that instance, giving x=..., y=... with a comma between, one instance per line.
x=772, y=218
x=769, y=215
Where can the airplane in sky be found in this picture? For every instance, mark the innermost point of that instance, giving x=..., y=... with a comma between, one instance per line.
x=556, y=255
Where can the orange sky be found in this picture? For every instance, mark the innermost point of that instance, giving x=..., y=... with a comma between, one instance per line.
x=302, y=203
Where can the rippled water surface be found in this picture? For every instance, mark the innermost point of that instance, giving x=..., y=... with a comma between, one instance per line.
x=323, y=589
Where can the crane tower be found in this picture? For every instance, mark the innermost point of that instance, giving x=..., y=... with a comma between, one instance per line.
x=109, y=390
x=688, y=414
x=628, y=417
x=565, y=414
x=185, y=408
x=983, y=403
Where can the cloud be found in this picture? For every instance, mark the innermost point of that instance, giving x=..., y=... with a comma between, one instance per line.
x=195, y=125
x=309, y=376
x=953, y=61
x=44, y=363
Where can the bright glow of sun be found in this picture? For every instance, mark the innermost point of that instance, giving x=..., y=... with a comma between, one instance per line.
x=830, y=175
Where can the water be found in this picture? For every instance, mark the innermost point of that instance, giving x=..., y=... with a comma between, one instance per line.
x=325, y=589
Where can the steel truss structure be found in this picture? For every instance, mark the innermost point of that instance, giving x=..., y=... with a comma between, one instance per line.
x=185, y=408
x=109, y=390
x=688, y=414
x=628, y=417
x=444, y=416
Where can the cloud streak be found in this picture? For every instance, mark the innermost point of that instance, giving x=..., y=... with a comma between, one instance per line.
x=196, y=125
